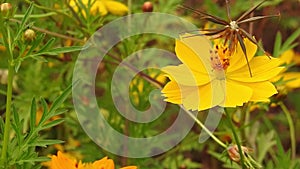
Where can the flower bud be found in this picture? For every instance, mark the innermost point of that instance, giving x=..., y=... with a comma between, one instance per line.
x=233, y=152
x=5, y=8
x=29, y=35
x=147, y=7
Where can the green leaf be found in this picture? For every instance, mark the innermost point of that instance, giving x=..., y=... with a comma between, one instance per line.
x=58, y=112
x=32, y=114
x=291, y=39
x=58, y=102
x=265, y=142
x=45, y=111
x=18, y=64
x=45, y=143
x=36, y=43
x=24, y=20
x=277, y=45
x=17, y=125
x=1, y=126
x=57, y=51
x=39, y=58
x=52, y=123
x=34, y=160
x=47, y=45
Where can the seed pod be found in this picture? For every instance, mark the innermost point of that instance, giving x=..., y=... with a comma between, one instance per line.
x=147, y=6
x=29, y=35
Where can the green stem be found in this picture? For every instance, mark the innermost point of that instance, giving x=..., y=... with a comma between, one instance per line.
x=8, y=113
x=204, y=128
x=291, y=126
x=236, y=138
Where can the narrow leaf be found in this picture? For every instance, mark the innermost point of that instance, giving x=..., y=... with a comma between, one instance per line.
x=52, y=123
x=45, y=111
x=277, y=45
x=36, y=43
x=291, y=39
x=45, y=143
x=35, y=159
x=32, y=114
x=57, y=103
x=47, y=45
x=24, y=20
x=39, y=58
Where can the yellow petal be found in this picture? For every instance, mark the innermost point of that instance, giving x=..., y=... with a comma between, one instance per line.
x=183, y=75
x=104, y=163
x=172, y=93
x=195, y=97
x=61, y=161
x=287, y=56
x=195, y=53
x=115, y=7
x=262, y=69
x=292, y=78
x=236, y=94
x=129, y=167
x=238, y=59
x=261, y=91
x=99, y=7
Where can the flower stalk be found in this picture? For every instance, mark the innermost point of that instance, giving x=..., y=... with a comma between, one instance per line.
x=204, y=128
x=291, y=126
x=8, y=112
x=236, y=138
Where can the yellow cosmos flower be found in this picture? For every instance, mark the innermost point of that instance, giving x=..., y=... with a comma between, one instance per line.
x=214, y=77
x=102, y=7
x=61, y=161
x=291, y=80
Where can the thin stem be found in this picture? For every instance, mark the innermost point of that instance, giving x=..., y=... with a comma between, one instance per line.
x=8, y=112
x=50, y=33
x=204, y=128
x=291, y=126
x=236, y=138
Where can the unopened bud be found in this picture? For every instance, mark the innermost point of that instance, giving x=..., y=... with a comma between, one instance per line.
x=233, y=152
x=29, y=35
x=147, y=7
x=5, y=8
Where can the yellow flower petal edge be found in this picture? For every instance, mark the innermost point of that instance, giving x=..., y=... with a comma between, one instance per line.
x=101, y=6
x=184, y=76
x=262, y=67
x=61, y=161
x=194, y=52
x=116, y=8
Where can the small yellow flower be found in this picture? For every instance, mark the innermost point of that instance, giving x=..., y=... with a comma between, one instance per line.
x=61, y=161
x=102, y=7
x=214, y=77
x=290, y=80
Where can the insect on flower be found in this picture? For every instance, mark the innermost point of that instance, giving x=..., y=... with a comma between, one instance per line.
x=231, y=30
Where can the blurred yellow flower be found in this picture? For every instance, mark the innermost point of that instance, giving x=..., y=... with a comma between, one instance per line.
x=214, y=77
x=2, y=48
x=290, y=80
x=139, y=86
x=61, y=161
x=101, y=7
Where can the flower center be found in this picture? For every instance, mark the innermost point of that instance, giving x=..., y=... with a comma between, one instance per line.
x=234, y=25
x=219, y=60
